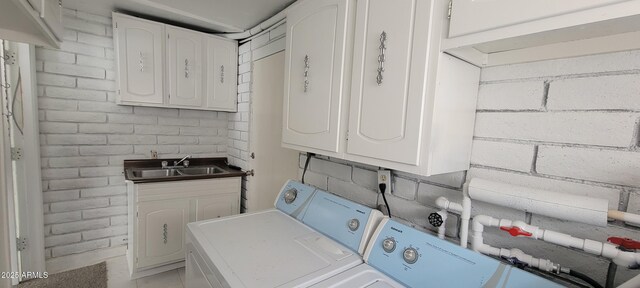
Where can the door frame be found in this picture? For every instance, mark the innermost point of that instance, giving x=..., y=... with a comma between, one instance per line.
x=6, y=256
x=33, y=258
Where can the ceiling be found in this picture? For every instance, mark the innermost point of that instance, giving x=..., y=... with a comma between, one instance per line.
x=212, y=15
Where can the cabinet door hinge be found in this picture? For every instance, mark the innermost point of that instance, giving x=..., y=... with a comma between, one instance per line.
x=136, y=214
x=16, y=153
x=449, y=11
x=21, y=243
x=347, y=135
x=9, y=57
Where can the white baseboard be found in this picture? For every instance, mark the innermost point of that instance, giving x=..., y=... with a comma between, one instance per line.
x=70, y=262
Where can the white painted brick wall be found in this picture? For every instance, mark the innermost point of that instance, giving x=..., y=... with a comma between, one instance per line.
x=237, y=148
x=513, y=156
x=511, y=96
x=85, y=137
x=567, y=125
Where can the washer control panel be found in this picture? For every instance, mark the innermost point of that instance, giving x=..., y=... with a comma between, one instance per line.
x=294, y=198
x=342, y=220
x=417, y=259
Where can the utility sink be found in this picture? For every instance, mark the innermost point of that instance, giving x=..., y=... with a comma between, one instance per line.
x=211, y=170
x=156, y=173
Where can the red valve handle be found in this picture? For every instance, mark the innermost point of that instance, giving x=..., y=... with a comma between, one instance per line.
x=626, y=243
x=516, y=231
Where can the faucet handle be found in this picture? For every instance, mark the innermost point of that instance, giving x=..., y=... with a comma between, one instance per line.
x=185, y=163
x=164, y=164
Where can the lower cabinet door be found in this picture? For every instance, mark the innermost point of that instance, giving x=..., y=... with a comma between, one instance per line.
x=161, y=231
x=217, y=206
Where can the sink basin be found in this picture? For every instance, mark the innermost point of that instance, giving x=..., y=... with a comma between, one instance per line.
x=202, y=170
x=156, y=173
x=175, y=172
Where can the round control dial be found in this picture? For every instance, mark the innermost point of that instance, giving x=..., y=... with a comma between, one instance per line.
x=410, y=255
x=354, y=224
x=389, y=245
x=290, y=195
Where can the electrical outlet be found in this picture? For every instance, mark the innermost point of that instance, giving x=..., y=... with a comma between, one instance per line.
x=384, y=176
x=154, y=154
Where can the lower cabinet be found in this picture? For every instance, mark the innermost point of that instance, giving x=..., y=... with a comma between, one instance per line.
x=158, y=217
x=161, y=230
x=216, y=207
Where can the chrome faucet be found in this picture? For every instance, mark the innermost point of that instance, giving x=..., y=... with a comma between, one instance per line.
x=184, y=159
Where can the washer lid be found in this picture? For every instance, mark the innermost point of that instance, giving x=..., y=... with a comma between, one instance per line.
x=360, y=276
x=269, y=249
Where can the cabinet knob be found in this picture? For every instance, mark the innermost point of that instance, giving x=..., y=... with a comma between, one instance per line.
x=306, y=73
x=222, y=74
x=141, y=62
x=381, y=57
x=164, y=233
x=186, y=68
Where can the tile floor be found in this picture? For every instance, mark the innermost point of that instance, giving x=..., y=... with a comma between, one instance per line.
x=118, y=277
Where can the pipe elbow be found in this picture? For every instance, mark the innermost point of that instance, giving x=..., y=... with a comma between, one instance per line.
x=479, y=221
x=442, y=202
x=627, y=259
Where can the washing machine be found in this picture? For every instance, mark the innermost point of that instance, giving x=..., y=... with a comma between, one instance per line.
x=401, y=256
x=310, y=236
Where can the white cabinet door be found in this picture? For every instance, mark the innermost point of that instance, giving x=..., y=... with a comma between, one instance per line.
x=184, y=54
x=222, y=74
x=314, y=71
x=217, y=206
x=388, y=84
x=140, y=64
x=161, y=231
x=471, y=16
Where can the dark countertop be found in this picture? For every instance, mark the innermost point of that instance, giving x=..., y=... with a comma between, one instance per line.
x=220, y=162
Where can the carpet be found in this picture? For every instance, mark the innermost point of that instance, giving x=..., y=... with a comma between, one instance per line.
x=94, y=276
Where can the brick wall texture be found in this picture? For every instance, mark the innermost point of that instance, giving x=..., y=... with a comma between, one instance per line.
x=568, y=125
x=238, y=149
x=85, y=136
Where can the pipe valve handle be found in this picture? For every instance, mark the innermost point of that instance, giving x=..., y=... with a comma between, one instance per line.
x=516, y=231
x=516, y=262
x=435, y=219
x=626, y=243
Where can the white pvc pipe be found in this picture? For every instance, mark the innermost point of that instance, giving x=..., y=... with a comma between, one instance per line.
x=477, y=244
x=624, y=216
x=442, y=229
x=466, y=215
x=569, y=207
x=621, y=258
x=463, y=209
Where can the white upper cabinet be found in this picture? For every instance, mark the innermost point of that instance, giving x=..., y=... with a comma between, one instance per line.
x=472, y=16
x=410, y=107
x=184, y=54
x=497, y=32
x=387, y=89
x=165, y=66
x=140, y=63
x=314, y=74
x=222, y=69
x=37, y=22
